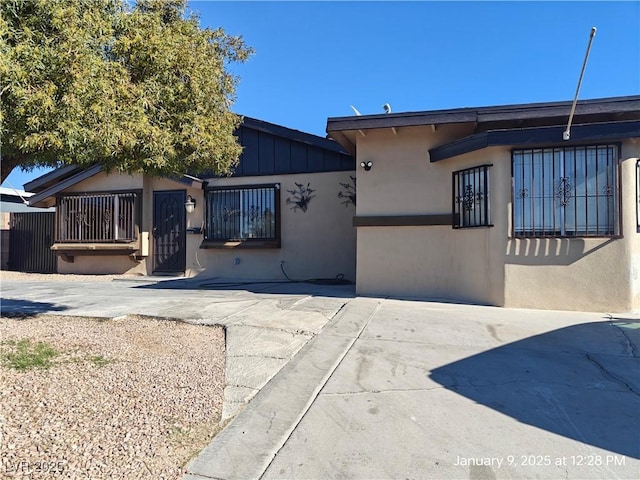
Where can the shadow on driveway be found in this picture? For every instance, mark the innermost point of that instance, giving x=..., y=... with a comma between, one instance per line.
x=581, y=382
x=326, y=289
x=27, y=308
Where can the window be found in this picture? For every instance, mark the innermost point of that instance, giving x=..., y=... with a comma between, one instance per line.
x=248, y=214
x=568, y=192
x=471, y=197
x=97, y=218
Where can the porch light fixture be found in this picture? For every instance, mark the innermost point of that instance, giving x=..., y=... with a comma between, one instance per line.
x=366, y=165
x=190, y=204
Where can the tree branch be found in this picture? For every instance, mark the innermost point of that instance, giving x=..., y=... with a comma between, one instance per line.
x=8, y=163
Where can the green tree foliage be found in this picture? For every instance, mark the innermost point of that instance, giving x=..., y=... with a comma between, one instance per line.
x=136, y=88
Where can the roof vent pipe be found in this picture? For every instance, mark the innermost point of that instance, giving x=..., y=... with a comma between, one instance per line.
x=567, y=133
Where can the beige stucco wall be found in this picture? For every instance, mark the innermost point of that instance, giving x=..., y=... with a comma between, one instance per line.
x=318, y=243
x=422, y=261
x=101, y=264
x=592, y=274
x=103, y=182
x=481, y=265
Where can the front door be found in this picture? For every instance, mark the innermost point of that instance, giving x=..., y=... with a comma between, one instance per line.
x=169, y=239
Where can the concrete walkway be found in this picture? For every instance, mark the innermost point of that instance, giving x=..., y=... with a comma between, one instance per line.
x=266, y=323
x=405, y=389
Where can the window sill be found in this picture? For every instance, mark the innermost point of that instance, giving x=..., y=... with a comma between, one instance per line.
x=468, y=227
x=256, y=244
x=566, y=237
x=96, y=248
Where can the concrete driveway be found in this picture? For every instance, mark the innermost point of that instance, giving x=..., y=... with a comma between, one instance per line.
x=406, y=389
x=377, y=388
x=266, y=323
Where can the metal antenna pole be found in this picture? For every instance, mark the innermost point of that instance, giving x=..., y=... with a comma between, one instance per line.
x=567, y=133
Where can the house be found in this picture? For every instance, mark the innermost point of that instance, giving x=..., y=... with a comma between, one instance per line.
x=492, y=205
x=286, y=209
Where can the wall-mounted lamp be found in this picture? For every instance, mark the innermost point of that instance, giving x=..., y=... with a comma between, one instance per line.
x=366, y=165
x=190, y=204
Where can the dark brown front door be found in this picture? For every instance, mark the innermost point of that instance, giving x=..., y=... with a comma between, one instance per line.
x=169, y=240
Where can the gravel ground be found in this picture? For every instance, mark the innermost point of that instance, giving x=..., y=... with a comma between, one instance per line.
x=126, y=398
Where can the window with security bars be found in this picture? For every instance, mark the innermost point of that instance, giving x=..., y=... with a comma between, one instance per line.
x=471, y=197
x=243, y=213
x=566, y=191
x=97, y=217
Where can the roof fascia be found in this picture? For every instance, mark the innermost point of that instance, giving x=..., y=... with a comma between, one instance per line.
x=536, y=136
x=41, y=182
x=64, y=184
x=486, y=114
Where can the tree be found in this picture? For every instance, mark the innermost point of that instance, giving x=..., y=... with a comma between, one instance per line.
x=136, y=88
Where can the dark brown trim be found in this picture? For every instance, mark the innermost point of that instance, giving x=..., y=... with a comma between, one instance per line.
x=403, y=220
x=557, y=110
x=64, y=184
x=50, y=178
x=103, y=248
x=538, y=136
x=68, y=251
x=567, y=237
x=137, y=191
x=241, y=186
x=246, y=244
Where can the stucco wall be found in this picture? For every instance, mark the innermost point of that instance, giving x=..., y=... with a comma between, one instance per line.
x=318, y=243
x=101, y=264
x=423, y=261
x=102, y=182
x=592, y=274
x=481, y=265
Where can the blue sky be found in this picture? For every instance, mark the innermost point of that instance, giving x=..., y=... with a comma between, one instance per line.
x=314, y=59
